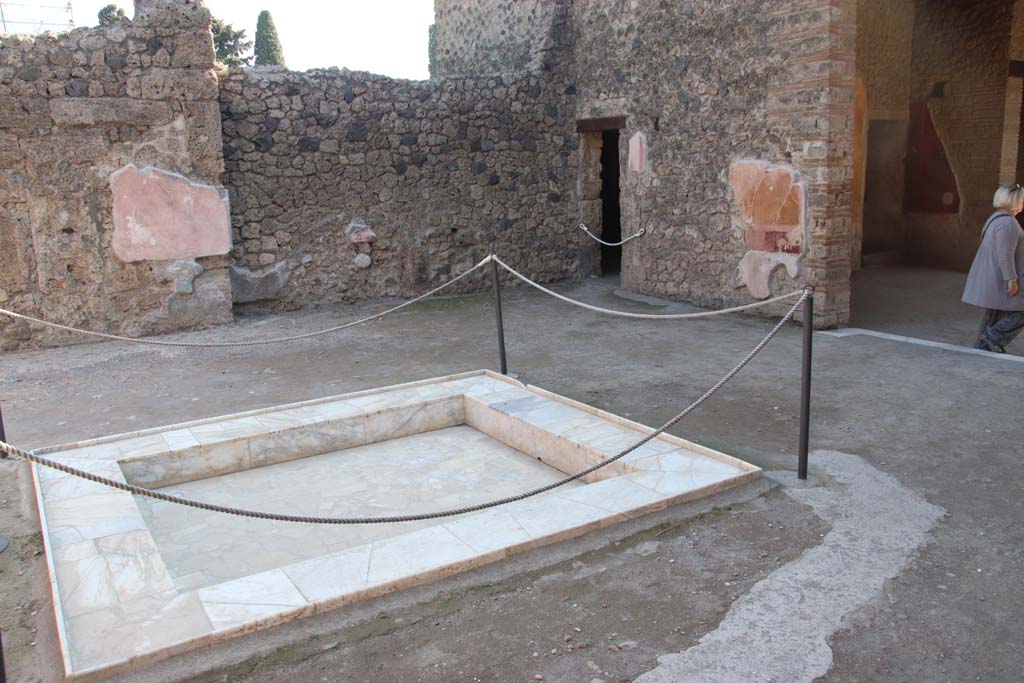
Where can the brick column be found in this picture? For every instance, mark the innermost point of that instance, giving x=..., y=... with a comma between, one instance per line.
x=811, y=108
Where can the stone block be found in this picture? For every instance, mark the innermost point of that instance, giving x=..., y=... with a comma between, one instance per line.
x=24, y=112
x=95, y=111
x=17, y=264
x=13, y=189
x=193, y=49
x=178, y=84
x=160, y=215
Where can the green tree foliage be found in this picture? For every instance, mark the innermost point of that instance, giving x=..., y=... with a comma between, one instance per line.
x=268, y=47
x=110, y=15
x=230, y=44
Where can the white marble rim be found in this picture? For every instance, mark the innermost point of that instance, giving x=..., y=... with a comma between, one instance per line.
x=271, y=409
x=651, y=490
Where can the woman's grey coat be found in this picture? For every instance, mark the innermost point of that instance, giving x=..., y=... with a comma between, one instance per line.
x=1000, y=258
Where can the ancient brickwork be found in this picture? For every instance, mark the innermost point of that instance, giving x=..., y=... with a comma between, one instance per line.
x=811, y=107
x=74, y=109
x=348, y=185
x=960, y=73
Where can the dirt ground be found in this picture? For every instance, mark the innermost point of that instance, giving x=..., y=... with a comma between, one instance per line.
x=946, y=425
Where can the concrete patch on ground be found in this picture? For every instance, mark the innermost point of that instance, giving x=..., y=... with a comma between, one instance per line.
x=779, y=630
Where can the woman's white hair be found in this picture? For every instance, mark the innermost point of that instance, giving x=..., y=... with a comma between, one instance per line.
x=1008, y=197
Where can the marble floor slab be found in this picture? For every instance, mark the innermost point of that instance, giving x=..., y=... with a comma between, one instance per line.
x=435, y=470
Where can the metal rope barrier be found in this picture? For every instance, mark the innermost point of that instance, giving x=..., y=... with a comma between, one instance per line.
x=257, y=342
x=138, y=490
x=647, y=316
x=584, y=228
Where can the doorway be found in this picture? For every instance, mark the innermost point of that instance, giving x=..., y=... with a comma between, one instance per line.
x=942, y=108
x=611, y=213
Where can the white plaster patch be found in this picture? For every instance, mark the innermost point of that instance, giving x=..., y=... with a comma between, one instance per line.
x=779, y=630
x=756, y=268
x=638, y=153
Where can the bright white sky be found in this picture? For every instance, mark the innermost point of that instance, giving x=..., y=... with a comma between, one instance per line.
x=381, y=36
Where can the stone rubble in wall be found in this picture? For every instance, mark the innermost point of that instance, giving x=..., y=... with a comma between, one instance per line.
x=439, y=172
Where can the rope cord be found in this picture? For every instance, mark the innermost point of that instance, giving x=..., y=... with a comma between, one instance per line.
x=647, y=316
x=138, y=490
x=257, y=342
x=584, y=228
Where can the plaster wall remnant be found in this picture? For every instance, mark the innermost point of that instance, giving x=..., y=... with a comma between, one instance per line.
x=638, y=153
x=771, y=205
x=74, y=108
x=160, y=215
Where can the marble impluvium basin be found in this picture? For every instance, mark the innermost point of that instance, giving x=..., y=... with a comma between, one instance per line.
x=136, y=580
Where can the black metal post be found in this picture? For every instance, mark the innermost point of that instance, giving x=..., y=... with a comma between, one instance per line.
x=3, y=669
x=805, y=387
x=497, y=315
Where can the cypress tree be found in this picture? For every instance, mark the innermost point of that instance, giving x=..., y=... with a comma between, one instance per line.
x=268, y=47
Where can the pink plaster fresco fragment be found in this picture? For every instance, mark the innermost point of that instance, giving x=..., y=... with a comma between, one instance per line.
x=360, y=233
x=638, y=153
x=771, y=202
x=159, y=215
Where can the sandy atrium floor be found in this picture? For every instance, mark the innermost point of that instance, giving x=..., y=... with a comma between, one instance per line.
x=913, y=517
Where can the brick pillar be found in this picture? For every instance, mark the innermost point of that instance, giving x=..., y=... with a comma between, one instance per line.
x=811, y=109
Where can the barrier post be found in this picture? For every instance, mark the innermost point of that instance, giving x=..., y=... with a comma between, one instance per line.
x=497, y=315
x=3, y=668
x=3, y=437
x=805, y=387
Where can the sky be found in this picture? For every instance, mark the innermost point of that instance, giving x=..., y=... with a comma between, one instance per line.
x=386, y=37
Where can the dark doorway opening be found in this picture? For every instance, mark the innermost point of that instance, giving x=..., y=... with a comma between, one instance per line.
x=611, y=216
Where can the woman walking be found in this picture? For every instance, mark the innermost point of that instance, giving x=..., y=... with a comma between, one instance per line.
x=994, y=280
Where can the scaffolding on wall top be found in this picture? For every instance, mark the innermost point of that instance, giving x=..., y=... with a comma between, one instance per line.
x=34, y=17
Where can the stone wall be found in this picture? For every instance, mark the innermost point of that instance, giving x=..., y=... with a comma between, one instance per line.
x=738, y=121
x=348, y=185
x=74, y=109
x=960, y=73
x=494, y=36
x=719, y=91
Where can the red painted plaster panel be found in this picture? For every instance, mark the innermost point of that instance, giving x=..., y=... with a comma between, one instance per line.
x=930, y=181
x=771, y=203
x=770, y=195
x=744, y=177
x=160, y=216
